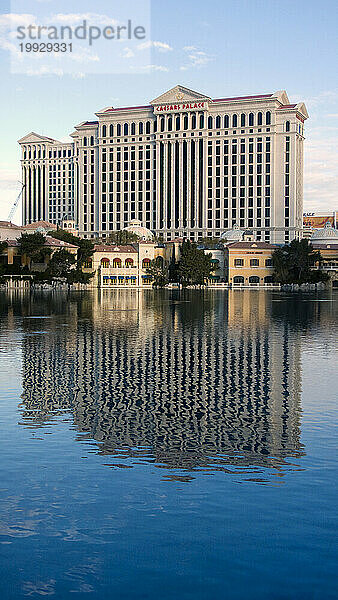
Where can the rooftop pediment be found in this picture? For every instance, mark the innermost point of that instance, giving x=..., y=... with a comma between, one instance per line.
x=35, y=138
x=180, y=94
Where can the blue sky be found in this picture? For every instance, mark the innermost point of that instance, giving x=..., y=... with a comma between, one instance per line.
x=222, y=48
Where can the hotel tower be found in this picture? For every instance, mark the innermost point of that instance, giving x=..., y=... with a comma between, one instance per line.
x=184, y=165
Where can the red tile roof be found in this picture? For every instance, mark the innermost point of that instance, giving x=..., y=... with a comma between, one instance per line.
x=9, y=225
x=37, y=224
x=243, y=98
x=287, y=106
x=127, y=108
x=114, y=248
x=250, y=245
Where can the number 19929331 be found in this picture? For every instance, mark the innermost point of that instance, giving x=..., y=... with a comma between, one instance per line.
x=45, y=47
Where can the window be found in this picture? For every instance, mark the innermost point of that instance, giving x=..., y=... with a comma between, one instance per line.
x=105, y=263
x=117, y=263
x=238, y=279
x=129, y=262
x=88, y=263
x=253, y=279
x=140, y=128
x=242, y=120
x=268, y=118
x=251, y=119
x=133, y=128
x=125, y=129
x=111, y=130
x=268, y=262
x=287, y=126
x=104, y=130
x=147, y=127
x=226, y=121
x=234, y=120
x=239, y=262
x=209, y=122
x=162, y=123
x=201, y=121
x=260, y=119
x=118, y=130
x=218, y=122
x=146, y=263
x=254, y=262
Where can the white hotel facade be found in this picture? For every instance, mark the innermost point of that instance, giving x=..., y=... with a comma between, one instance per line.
x=185, y=165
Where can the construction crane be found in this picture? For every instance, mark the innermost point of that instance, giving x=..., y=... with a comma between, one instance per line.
x=15, y=205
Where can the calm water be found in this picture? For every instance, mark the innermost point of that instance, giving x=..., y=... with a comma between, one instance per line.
x=158, y=445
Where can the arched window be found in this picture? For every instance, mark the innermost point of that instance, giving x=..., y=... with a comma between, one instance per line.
x=162, y=123
x=104, y=130
x=185, y=122
x=178, y=123
x=268, y=118
x=170, y=124
x=193, y=121
x=260, y=118
x=117, y=263
x=85, y=141
x=251, y=120
x=218, y=122
x=146, y=263
x=287, y=126
x=105, y=263
x=254, y=279
x=155, y=126
x=147, y=127
x=125, y=129
x=133, y=129
x=268, y=279
x=91, y=140
x=201, y=121
x=88, y=264
x=129, y=262
x=209, y=122
x=234, y=120
x=239, y=279
x=118, y=130
x=226, y=121
x=140, y=128
x=111, y=130
x=242, y=120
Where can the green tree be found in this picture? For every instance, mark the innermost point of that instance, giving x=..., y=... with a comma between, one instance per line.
x=194, y=266
x=123, y=237
x=61, y=264
x=31, y=244
x=159, y=272
x=85, y=246
x=293, y=263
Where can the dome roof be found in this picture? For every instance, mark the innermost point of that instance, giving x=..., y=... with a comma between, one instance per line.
x=325, y=235
x=135, y=226
x=232, y=235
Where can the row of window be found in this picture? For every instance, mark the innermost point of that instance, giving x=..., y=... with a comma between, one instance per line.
x=117, y=263
x=254, y=262
x=179, y=122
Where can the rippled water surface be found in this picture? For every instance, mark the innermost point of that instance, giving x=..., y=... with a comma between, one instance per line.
x=166, y=445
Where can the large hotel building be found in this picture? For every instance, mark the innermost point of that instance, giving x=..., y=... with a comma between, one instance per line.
x=185, y=165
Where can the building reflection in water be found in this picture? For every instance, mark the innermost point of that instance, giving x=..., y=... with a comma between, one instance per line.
x=188, y=381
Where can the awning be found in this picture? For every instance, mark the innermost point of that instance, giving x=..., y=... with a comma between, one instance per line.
x=113, y=277
x=214, y=260
x=105, y=277
x=121, y=276
x=214, y=277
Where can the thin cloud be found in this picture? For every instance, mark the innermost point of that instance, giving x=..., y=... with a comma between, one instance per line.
x=161, y=46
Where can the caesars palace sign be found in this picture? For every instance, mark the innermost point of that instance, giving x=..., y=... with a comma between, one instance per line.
x=163, y=108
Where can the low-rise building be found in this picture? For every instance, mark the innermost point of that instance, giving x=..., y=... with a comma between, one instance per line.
x=249, y=263
x=121, y=265
x=11, y=255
